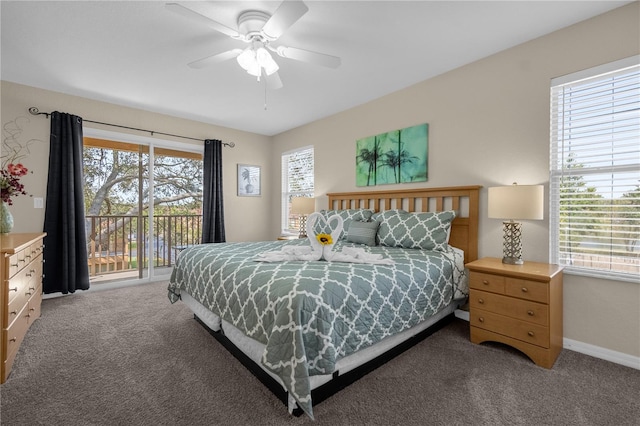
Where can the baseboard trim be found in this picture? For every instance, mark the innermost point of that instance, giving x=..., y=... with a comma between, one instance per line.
x=602, y=353
x=585, y=348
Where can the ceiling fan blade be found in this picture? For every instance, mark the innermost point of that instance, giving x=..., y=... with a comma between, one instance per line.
x=273, y=81
x=214, y=59
x=286, y=15
x=309, y=56
x=196, y=16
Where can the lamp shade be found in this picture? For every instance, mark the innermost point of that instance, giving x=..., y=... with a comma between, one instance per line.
x=520, y=202
x=303, y=205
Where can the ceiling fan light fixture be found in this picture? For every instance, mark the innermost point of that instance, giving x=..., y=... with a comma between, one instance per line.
x=266, y=61
x=247, y=59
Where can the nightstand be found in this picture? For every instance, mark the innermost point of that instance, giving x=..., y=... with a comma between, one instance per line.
x=518, y=305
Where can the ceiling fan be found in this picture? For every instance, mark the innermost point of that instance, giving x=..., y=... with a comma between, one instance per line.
x=259, y=30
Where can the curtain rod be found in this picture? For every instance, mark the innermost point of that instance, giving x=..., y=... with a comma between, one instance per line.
x=35, y=111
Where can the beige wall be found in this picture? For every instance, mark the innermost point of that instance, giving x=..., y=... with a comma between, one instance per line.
x=489, y=125
x=246, y=218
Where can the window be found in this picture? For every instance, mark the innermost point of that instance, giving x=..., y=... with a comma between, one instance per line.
x=595, y=171
x=297, y=181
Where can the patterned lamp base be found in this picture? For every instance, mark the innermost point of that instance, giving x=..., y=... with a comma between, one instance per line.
x=512, y=243
x=303, y=226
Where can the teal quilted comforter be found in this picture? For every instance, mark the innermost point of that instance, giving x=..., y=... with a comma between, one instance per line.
x=310, y=314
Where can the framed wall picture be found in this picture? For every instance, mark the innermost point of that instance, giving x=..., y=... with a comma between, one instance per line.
x=248, y=180
x=399, y=156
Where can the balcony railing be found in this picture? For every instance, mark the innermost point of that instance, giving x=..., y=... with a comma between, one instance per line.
x=120, y=243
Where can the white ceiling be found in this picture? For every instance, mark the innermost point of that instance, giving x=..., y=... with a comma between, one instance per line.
x=135, y=53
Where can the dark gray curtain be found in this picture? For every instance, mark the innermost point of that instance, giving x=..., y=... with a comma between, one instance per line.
x=212, y=206
x=65, y=252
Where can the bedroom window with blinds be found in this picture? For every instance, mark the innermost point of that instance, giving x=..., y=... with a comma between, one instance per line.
x=297, y=181
x=595, y=171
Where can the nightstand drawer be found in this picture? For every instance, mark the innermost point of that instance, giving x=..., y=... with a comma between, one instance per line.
x=526, y=289
x=487, y=282
x=515, y=308
x=527, y=332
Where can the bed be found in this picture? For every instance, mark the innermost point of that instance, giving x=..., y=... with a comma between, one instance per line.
x=308, y=328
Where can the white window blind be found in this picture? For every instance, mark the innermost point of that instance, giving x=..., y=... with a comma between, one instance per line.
x=595, y=171
x=297, y=181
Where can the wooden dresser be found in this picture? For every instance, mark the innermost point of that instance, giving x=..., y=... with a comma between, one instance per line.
x=21, y=295
x=519, y=305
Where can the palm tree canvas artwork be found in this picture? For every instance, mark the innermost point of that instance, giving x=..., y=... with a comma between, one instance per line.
x=398, y=156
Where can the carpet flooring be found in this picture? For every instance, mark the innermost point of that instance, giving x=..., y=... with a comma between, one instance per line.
x=129, y=357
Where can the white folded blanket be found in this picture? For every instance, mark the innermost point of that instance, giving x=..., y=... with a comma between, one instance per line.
x=357, y=255
x=290, y=253
x=306, y=253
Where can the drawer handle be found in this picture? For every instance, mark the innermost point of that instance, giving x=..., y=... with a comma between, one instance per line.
x=481, y=301
x=28, y=293
x=531, y=333
x=21, y=260
x=485, y=282
x=524, y=289
x=13, y=339
x=530, y=313
x=27, y=256
x=28, y=274
x=13, y=264
x=32, y=288
x=14, y=312
x=32, y=309
x=13, y=289
x=481, y=319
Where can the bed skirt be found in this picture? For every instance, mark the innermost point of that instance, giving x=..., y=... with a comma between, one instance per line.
x=348, y=369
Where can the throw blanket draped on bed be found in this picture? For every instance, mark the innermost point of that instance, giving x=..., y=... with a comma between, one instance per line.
x=311, y=313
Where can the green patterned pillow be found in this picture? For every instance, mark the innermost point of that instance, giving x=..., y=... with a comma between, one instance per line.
x=348, y=215
x=428, y=231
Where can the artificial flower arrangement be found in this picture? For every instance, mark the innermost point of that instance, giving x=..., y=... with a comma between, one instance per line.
x=11, y=169
x=10, y=185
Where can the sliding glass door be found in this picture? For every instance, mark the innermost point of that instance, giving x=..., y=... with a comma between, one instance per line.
x=143, y=204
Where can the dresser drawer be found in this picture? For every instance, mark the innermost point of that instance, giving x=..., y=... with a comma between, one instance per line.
x=14, y=264
x=525, y=331
x=524, y=310
x=14, y=335
x=36, y=249
x=527, y=289
x=18, y=298
x=33, y=274
x=34, y=305
x=487, y=282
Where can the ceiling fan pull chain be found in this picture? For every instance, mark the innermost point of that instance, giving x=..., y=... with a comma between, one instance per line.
x=265, y=94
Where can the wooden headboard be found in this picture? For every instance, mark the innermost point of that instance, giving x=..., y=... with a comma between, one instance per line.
x=463, y=199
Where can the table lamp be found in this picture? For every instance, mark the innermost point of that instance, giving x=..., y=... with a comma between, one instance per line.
x=303, y=206
x=515, y=202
